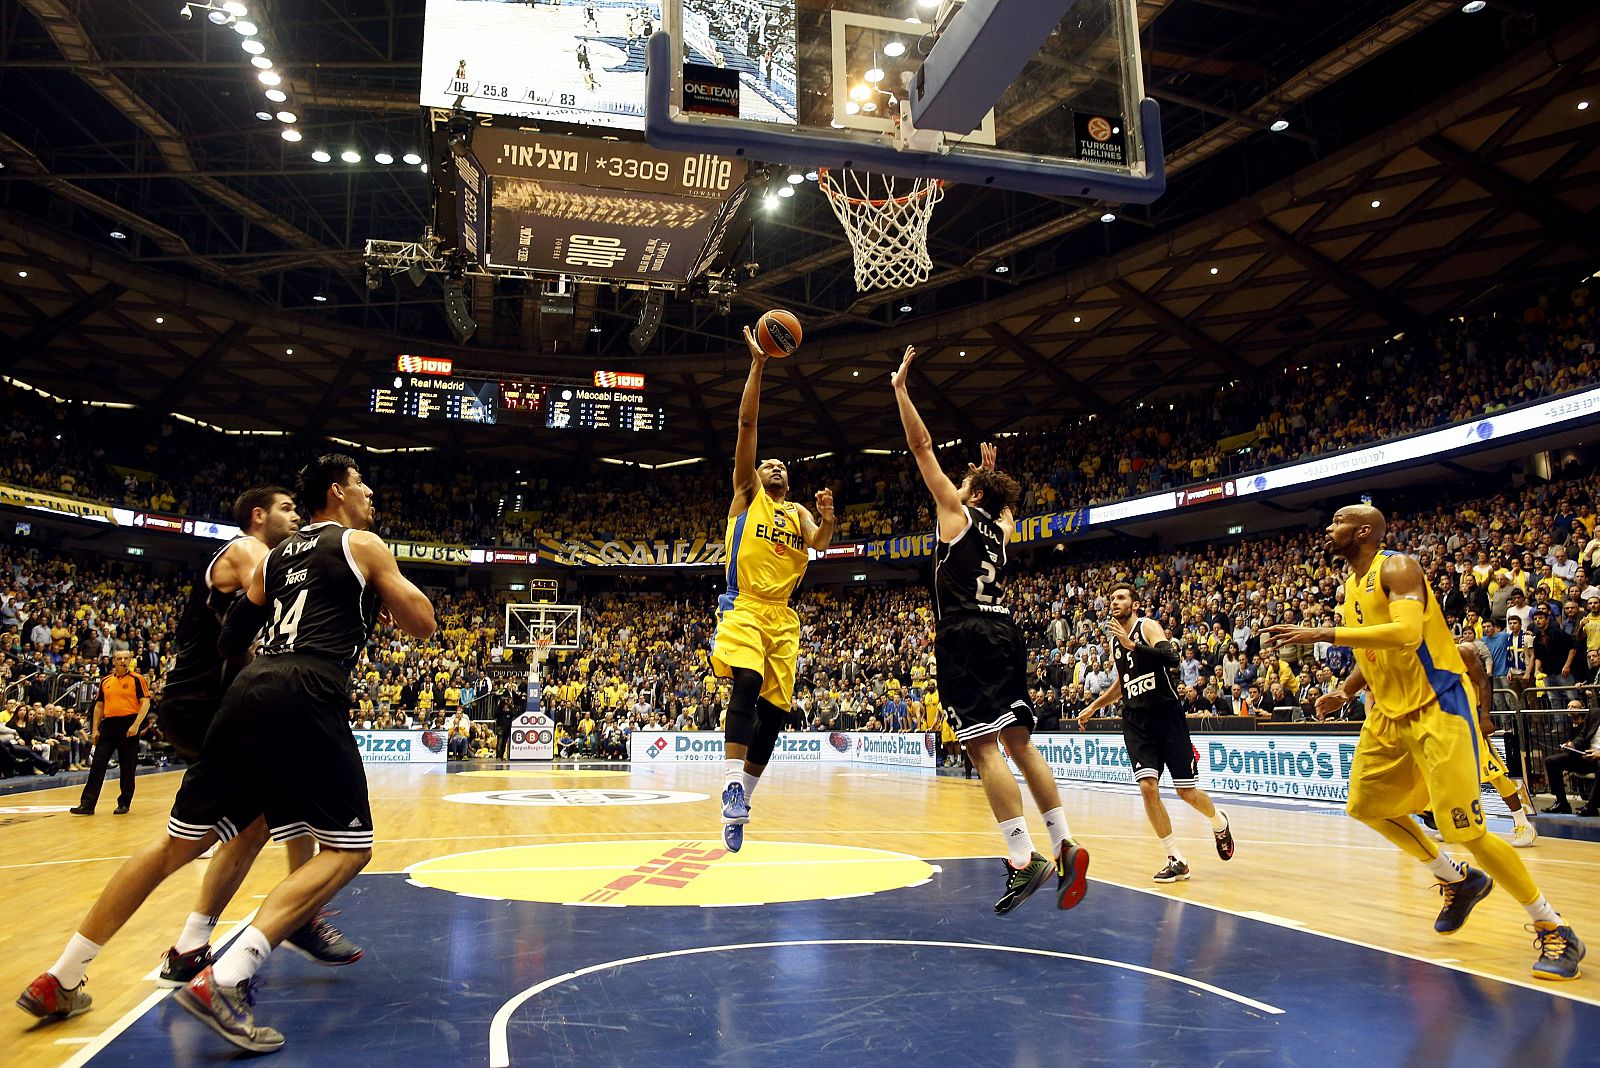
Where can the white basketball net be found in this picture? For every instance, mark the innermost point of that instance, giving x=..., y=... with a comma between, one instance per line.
x=886, y=220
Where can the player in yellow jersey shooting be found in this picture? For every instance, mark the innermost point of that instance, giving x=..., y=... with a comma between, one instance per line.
x=1420, y=746
x=758, y=634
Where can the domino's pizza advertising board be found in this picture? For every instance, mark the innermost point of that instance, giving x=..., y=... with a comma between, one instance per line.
x=1304, y=767
x=400, y=747
x=797, y=747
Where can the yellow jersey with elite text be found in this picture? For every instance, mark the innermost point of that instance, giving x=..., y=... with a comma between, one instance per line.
x=766, y=550
x=1405, y=680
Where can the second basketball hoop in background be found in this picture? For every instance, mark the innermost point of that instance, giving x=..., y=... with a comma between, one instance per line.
x=778, y=333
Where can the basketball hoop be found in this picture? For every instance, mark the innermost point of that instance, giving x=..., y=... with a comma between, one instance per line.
x=887, y=226
x=541, y=647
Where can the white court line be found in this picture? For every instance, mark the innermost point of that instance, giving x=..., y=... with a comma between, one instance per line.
x=1559, y=990
x=49, y=863
x=500, y=1053
x=154, y=998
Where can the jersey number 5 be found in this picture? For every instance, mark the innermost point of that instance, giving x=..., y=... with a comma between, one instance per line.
x=285, y=624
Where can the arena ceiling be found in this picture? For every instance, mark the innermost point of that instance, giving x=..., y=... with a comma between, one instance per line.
x=1432, y=157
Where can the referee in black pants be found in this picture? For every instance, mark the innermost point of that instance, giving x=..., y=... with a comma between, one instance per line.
x=120, y=708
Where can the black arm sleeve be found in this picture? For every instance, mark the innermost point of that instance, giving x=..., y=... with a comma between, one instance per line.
x=1163, y=654
x=240, y=626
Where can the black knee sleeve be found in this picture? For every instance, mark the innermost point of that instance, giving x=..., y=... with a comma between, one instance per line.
x=769, y=724
x=741, y=724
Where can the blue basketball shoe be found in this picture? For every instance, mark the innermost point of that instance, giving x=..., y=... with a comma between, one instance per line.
x=735, y=814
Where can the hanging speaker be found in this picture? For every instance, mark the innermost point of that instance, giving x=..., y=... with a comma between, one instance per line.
x=644, y=331
x=457, y=312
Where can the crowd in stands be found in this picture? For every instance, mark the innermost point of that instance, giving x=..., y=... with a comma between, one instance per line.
x=1516, y=571
x=1463, y=368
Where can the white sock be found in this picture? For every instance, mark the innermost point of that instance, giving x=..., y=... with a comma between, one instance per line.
x=733, y=771
x=1018, y=845
x=1170, y=844
x=1519, y=816
x=1055, y=821
x=75, y=960
x=1447, y=870
x=749, y=782
x=1219, y=820
x=1540, y=912
x=196, y=932
x=243, y=959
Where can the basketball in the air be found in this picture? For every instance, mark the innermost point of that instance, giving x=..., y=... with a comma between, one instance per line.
x=778, y=333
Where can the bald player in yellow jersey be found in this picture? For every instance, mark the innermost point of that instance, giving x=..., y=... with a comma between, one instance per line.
x=758, y=634
x=1420, y=746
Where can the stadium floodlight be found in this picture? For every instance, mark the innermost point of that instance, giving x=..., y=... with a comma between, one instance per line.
x=261, y=62
x=350, y=155
x=291, y=134
x=246, y=29
x=321, y=156
x=255, y=48
x=287, y=116
x=411, y=159
x=1279, y=125
x=277, y=96
x=383, y=158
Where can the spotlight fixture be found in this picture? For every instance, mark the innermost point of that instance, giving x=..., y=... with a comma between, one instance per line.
x=411, y=159
x=261, y=62
x=595, y=329
x=374, y=279
x=1109, y=217
x=185, y=13
x=22, y=274
x=320, y=298
x=291, y=135
x=1472, y=7
x=264, y=116
x=811, y=176
x=288, y=116
x=255, y=48
x=1213, y=270
x=875, y=75
x=268, y=77
x=786, y=191
x=1377, y=203
x=905, y=309
x=288, y=352
x=350, y=155
x=321, y=155
x=277, y=96
x=769, y=201
x=236, y=9
x=1001, y=268
x=795, y=177
x=383, y=158
x=160, y=319
x=894, y=49
x=245, y=29
x=118, y=235
x=1279, y=125
x=218, y=18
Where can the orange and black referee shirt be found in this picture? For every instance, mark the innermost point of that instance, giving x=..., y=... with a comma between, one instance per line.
x=121, y=694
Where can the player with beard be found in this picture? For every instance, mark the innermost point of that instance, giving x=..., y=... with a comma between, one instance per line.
x=1420, y=745
x=983, y=664
x=1154, y=727
x=317, y=594
x=757, y=642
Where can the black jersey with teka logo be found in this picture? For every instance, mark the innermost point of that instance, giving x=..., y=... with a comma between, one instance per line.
x=319, y=600
x=966, y=571
x=199, y=672
x=1147, y=684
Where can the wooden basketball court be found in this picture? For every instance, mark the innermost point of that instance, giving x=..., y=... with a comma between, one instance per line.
x=520, y=915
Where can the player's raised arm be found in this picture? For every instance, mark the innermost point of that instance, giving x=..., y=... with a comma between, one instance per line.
x=920, y=442
x=818, y=533
x=410, y=608
x=744, y=450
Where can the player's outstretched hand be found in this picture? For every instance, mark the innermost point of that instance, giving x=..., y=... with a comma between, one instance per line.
x=825, y=504
x=1288, y=634
x=898, y=379
x=756, y=352
x=1083, y=719
x=987, y=454
x=1329, y=703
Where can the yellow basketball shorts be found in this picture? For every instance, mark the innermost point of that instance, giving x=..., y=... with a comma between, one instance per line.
x=761, y=636
x=1430, y=759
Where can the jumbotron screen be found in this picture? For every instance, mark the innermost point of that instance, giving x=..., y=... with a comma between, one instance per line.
x=556, y=406
x=582, y=61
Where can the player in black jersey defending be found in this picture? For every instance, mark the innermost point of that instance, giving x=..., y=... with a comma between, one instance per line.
x=194, y=688
x=317, y=595
x=982, y=663
x=1154, y=728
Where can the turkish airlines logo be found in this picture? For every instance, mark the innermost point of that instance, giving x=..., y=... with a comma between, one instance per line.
x=675, y=869
x=1099, y=129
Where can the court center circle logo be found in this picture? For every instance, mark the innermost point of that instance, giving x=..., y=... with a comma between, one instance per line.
x=576, y=798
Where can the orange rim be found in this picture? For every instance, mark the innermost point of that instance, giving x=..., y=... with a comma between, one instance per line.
x=835, y=193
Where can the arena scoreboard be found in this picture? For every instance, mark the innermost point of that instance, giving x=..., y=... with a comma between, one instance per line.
x=458, y=399
x=624, y=407
x=590, y=408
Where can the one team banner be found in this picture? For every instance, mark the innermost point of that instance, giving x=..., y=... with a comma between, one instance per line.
x=401, y=747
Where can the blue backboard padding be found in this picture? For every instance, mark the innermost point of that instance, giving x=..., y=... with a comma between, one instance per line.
x=979, y=54
x=775, y=143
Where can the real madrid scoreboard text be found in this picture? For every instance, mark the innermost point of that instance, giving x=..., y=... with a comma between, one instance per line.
x=424, y=387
